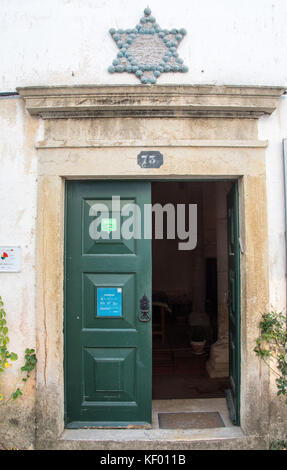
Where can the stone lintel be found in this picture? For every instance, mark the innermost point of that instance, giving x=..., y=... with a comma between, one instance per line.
x=167, y=101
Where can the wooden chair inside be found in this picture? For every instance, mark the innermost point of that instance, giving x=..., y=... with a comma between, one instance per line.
x=160, y=310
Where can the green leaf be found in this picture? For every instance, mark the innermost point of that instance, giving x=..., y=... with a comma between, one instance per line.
x=16, y=394
x=13, y=356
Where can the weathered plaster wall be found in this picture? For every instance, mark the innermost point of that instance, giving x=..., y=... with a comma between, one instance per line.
x=18, y=168
x=274, y=129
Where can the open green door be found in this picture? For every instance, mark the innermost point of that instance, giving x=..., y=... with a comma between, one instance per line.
x=108, y=341
x=233, y=394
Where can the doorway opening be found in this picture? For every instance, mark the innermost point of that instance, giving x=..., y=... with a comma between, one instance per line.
x=195, y=295
x=190, y=297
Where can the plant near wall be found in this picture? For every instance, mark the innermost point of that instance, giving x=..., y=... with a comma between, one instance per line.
x=7, y=357
x=271, y=346
x=278, y=445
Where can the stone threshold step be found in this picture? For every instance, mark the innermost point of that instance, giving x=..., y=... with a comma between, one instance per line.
x=228, y=438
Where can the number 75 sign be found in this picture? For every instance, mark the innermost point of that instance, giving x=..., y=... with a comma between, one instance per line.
x=150, y=159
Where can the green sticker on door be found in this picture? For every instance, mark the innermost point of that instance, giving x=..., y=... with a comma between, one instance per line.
x=109, y=225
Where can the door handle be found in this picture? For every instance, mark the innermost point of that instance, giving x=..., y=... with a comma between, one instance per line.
x=144, y=309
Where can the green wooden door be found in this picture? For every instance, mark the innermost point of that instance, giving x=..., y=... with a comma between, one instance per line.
x=107, y=347
x=233, y=394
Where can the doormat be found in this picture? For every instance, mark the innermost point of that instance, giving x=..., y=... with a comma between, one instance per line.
x=193, y=420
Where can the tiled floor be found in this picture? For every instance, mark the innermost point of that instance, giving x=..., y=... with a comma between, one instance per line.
x=178, y=373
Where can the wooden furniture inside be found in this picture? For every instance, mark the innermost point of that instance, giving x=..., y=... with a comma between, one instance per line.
x=159, y=319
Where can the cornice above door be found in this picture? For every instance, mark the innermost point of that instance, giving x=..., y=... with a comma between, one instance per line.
x=184, y=101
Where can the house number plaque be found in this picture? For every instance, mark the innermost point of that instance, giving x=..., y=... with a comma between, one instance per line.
x=150, y=159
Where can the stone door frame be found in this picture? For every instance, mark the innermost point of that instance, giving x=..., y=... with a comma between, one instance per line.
x=96, y=132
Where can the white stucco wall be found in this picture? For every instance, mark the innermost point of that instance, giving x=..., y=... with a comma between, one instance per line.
x=274, y=129
x=66, y=42
x=18, y=198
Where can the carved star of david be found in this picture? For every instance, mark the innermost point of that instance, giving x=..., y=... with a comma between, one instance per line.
x=147, y=50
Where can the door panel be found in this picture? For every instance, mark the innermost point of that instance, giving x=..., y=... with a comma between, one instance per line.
x=233, y=394
x=107, y=350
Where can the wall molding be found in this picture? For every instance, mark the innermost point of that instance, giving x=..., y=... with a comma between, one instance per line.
x=160, y=101
x=144, y=144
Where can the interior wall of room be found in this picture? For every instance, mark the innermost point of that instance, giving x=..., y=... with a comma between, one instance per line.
x=178, y=273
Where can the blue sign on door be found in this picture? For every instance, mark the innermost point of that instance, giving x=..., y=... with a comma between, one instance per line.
x=109, y=302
